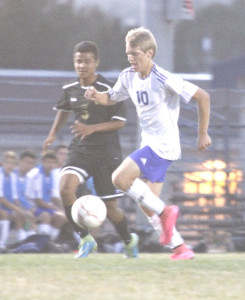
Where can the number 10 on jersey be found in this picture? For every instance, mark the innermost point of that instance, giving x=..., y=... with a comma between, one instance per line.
x=142, y=97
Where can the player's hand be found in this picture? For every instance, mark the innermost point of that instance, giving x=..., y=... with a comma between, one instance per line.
x=49, y=140
x=203, y=142
x=81, y=130
x=91, y=93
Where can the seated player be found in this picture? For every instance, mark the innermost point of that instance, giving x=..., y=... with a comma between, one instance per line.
x=11, y=213
x=27, y=161
x=49, y=211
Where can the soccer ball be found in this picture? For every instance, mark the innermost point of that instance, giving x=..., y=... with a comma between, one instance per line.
x=88, y=211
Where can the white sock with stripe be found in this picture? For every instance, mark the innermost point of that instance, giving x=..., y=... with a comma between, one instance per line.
x=141, y=193
x=4, y=232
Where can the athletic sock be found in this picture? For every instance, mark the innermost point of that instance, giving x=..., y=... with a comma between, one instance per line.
x=82, y=232
x=54, y=233
x=122, y=230
x=176, y=239
x=43, y=228
x=141, y=193
x=20, y=235
x=155, y=221
x=4, y=232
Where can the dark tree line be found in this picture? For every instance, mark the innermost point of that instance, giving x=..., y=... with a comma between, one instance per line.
x=41, y=34
x=221, y=26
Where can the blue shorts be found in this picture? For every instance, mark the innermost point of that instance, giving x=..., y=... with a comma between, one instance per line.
x=152, y=166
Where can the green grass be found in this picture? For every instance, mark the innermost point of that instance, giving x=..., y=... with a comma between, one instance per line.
x=111, y=277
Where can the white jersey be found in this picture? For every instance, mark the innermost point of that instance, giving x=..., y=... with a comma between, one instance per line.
x=156, y=98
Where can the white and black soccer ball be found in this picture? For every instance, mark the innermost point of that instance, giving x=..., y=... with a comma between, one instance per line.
x=88, y=211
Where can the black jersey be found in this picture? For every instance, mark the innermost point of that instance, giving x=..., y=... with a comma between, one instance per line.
x=100, y=144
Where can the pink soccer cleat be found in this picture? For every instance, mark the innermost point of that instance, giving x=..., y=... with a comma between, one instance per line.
x=182, y=253
x=168, y=220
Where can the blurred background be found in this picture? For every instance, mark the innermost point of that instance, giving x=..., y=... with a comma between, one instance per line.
x=202, y=40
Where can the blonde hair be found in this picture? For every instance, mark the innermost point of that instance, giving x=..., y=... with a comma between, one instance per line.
x=143, y=38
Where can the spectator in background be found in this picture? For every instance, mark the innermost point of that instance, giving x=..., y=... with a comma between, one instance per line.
x=41, y=190
x=10, y=209
x=61, y=152
x=27, y=162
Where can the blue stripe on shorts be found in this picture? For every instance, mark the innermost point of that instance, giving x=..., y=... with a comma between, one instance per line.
x=152, y=166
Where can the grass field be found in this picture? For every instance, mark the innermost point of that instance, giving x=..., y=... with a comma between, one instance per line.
x=110, y=276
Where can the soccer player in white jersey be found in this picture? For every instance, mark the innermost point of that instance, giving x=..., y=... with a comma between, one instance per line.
x=155, y=93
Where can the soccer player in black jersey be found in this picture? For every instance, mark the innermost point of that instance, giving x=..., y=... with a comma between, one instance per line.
x=95, y=149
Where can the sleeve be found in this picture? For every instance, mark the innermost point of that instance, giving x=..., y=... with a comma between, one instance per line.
x=64, y=102
x=119, y=92
x=34, y=187
x=183, y=88
x=29, y=192
x=188, y=91
x=118, y=111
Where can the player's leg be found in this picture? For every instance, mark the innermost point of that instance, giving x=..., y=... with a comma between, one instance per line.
x=57, y=222
x=152, y=217
x=126, y=178
x=69, y=183
x=4, y=229
x=117, y=217
x=43, y=221
x=145, y=163
x=71, y=178
x=177, y=245
x=17, y=221
x=105, y=189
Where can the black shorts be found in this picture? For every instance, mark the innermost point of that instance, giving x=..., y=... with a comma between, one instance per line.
x=100, y=169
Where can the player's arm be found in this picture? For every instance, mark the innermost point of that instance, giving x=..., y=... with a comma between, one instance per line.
x=59, y=121
x=81, y=130
x=43, y=204
x=203, y=103
x=9, y=205
x=102, y=98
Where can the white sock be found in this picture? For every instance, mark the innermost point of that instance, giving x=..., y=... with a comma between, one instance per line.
x=156, y=223
x=4, y=232
x=44, y=229
x=20, y=235
x=54, y=233
x=176, y=239
x=141, y=193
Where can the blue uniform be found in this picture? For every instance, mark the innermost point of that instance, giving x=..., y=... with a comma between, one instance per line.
x=22, y=182
x=42, y=186
x=8, y=188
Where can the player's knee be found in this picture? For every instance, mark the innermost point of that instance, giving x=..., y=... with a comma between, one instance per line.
x=117, y=180
x=68, y=187
x=122, y=180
